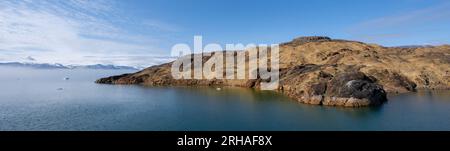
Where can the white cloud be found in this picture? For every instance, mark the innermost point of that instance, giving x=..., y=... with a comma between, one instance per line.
x=67, y=31
x=159, y=25
x=434, y=13
x=135, y=61
x=403, y=25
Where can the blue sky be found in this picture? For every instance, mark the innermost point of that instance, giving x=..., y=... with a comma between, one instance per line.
x=141, y=32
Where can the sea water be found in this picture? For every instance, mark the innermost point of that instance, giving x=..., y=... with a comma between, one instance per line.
x=63, y=99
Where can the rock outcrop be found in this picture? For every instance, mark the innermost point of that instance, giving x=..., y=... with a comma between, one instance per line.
x=325, y=71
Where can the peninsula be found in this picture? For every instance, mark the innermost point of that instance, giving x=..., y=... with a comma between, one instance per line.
x=324, y=71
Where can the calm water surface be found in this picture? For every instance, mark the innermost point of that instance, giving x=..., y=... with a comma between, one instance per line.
x=33, y=99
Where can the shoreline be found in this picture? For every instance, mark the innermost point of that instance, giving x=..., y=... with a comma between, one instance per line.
x=325, y=71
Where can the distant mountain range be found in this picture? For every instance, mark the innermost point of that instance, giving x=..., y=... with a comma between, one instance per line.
x=416, y=46
x=60, y=66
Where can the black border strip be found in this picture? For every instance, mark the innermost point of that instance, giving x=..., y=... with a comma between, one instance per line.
x=280, y=139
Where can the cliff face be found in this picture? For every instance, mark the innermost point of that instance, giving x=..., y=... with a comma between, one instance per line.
x=324, y=71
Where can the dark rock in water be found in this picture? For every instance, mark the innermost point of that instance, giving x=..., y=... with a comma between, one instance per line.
x=350, y=89
x=358, y=86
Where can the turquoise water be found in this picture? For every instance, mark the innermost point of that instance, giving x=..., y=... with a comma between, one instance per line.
x=33, y=99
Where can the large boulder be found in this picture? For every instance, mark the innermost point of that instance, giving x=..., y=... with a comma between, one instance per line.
x=359, y=89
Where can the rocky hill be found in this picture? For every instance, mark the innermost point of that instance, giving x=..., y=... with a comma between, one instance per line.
x=325, y=71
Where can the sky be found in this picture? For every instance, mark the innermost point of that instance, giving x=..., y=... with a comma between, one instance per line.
x=142, y=32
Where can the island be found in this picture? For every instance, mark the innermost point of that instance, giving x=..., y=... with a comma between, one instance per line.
x=323, y=71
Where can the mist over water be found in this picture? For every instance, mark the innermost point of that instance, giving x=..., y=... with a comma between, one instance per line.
x=43, y=99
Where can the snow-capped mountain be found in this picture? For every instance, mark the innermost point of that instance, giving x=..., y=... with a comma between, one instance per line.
x=60, y=66
x=34, y=65
x=102, y=66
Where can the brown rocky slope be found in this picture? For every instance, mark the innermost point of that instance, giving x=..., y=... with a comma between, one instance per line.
x=324, y=71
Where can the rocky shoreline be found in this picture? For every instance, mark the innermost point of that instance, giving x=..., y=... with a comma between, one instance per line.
x=325, y=71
